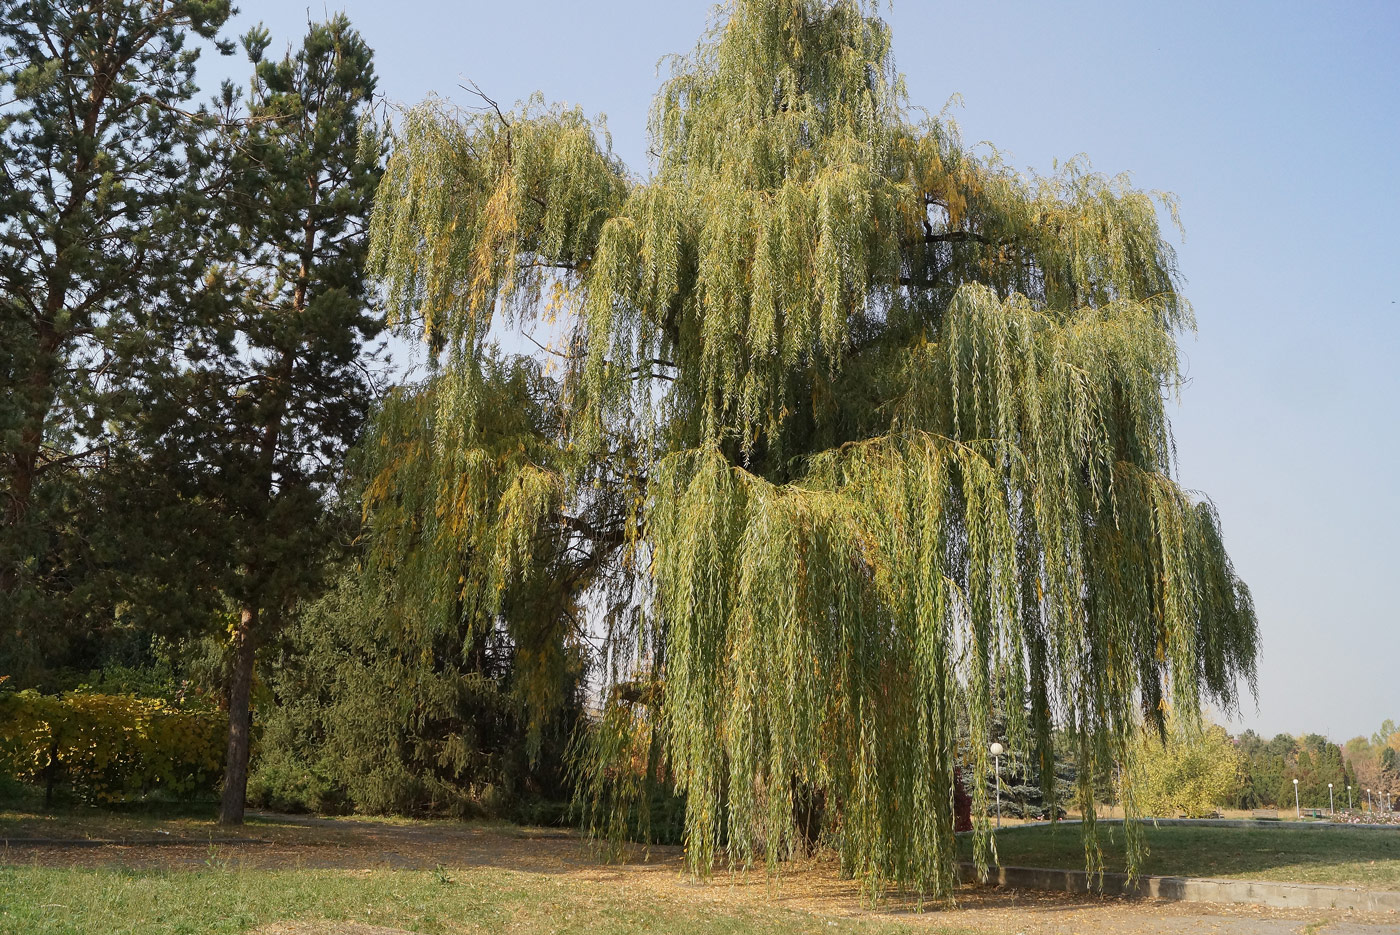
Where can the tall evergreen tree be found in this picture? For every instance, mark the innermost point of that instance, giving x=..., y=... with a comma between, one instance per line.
x=881, y=422
x=251, y=432
x=99, y=207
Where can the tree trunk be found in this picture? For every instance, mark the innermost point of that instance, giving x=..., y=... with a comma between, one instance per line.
x=239, y=720
x=808, y=815
x=23, y=462
x=245, y=636
x=51, y=770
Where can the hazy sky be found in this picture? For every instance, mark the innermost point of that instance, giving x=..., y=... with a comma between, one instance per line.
x=1276, y=124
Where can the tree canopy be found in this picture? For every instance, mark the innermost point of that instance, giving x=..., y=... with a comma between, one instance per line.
x=103, y=157
x=280, y=404
x=857, y=431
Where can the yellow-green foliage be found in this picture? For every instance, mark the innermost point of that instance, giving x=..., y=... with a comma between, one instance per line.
x=1190, y=774
x=880, y=423
x=109, y=747
x=462, y=514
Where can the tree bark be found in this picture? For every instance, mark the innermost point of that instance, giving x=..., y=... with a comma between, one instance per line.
x=239, y=720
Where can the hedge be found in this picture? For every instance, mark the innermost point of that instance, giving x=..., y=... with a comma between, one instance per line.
x=107, y=748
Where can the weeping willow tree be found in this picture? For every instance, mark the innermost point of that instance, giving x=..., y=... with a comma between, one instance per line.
x=861, y=438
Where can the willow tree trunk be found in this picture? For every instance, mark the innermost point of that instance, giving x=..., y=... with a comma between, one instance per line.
x=239, y=719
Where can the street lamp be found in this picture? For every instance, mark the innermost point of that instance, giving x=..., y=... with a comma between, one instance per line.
x=997, y=750
x=1348, y=796
x=1369, y=806
x=1331, y=805
x=1296, y=804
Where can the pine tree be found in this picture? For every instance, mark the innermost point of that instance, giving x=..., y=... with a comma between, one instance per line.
x=100, y=151
x=861, y=430
x=251, y=433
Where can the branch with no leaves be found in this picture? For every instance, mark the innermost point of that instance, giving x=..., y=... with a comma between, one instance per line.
x=472, y=87
x=490, y=102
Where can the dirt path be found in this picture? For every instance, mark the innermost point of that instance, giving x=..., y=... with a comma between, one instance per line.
x=352, y=845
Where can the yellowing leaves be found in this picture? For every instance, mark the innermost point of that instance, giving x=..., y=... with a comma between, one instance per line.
x=1189, y=775
x=108, y=747
x=907, y=474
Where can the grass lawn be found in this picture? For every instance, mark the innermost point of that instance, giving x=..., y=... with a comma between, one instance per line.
x=1298, y=855
x=311, y=877
x=49, y=901
x=419, y=876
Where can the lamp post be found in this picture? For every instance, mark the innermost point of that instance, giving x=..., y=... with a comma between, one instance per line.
x=1331, y=804
x=1369, y=806
x=1348, y=796
x=1296, y=803
x=997, y=750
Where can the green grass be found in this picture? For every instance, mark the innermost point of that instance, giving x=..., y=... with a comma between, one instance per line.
x=1296, y=855
x=56, y=901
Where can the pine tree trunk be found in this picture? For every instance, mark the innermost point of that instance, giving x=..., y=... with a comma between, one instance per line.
x=239, y=720
x=23, y=465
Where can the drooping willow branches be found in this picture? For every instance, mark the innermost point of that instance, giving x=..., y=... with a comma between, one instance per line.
x=862, y=436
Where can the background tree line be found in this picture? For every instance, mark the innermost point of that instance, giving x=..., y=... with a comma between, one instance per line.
x=1198, y=772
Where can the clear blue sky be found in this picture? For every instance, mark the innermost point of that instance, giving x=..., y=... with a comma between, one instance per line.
x=1278, y=126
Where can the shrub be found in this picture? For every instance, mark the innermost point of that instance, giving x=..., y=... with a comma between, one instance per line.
x=285, y=784
x=1190, y=774
x=107, y=748
x=367, y=714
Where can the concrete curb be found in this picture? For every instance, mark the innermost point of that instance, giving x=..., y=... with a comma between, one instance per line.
x=124, y=842
x=1191, y=889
